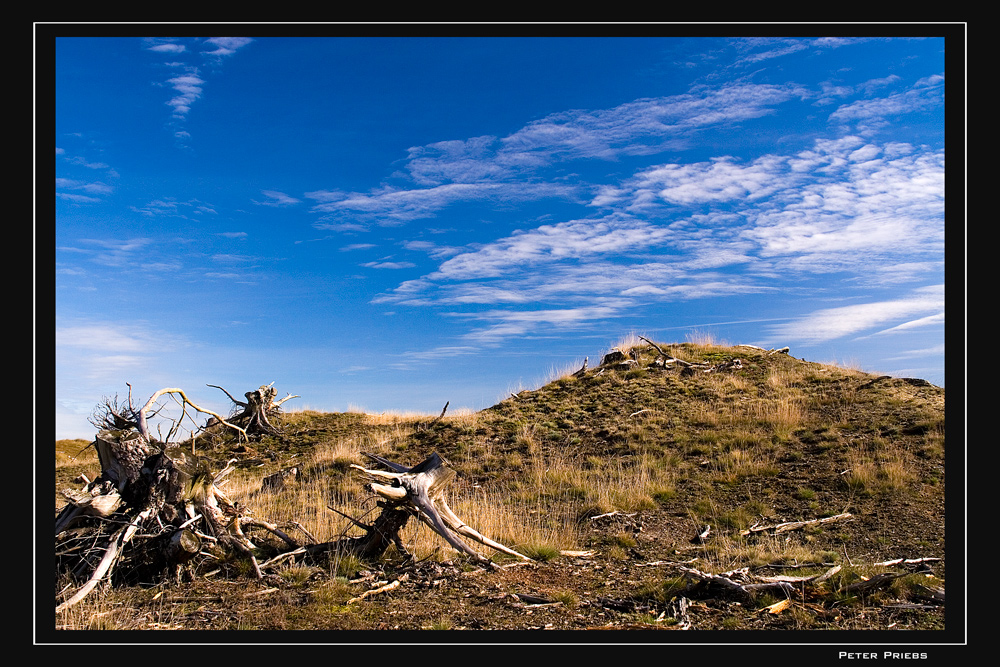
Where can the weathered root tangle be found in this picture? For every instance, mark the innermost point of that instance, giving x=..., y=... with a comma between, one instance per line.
x=153, y=508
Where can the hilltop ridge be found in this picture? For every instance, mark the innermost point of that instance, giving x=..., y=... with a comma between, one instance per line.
x=661, y=457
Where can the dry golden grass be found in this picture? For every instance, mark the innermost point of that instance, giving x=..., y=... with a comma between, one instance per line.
x=74, y=453
x=704, y=339
x=737, y=464
x=328, y=480
x=602, y=486
x=884, y=469
x=629, y=341
x=656, y=441
x=731, y=552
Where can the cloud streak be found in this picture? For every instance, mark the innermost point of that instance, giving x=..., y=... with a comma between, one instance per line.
x=831, y=323
x=189, y=84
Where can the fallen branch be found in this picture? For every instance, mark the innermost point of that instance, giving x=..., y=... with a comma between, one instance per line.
x=907, y=561
x=793, y=525
x=816, y=578
x=428, y=426
x=143, y=426
x=729, y=585
x=658, y=349
x=375, y=591
x=117, y=543
x=872, y=583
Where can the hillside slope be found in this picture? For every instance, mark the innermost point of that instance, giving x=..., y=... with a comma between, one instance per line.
x=620, y=467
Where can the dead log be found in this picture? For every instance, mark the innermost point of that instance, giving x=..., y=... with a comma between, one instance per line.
x=730, y=586
x=666, y=359
x=873, y=583
x=793, y=525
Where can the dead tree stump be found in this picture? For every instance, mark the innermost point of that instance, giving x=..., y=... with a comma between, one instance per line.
x=150, y=510
x=255, y=414
x=420, y=490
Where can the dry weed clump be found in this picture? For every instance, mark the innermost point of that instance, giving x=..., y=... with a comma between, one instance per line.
x=882, y=470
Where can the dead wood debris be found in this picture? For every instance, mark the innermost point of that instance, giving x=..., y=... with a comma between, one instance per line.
x=794, y=525
x=420, y=490
x=154, y=508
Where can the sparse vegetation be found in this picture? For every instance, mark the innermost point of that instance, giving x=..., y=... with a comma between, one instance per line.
x=605, y=479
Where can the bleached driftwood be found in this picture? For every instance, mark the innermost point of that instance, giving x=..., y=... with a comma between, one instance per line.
x=255, y=414
x=792, y=525
x=729, y=585
x=422, y=490
x=165, y=491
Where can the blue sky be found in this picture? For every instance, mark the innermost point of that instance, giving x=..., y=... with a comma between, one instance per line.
x=392, y=223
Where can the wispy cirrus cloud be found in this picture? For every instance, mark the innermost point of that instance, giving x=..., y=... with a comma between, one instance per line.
x=188, y=82
x=511, y=169
x=643, y=126
x=225, y=46
x=550, y=244
x=90, y=187
x=83, y=190
x=277, y=199
x=173, y=208
x=189, y=88
x=922, y=306
x=387, y=264
x=504, y=324
x=869, y=115
x=389, y=206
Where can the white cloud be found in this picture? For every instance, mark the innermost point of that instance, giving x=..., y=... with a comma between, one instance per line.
x=389, y=265
x=831, y=323
x=514, y=323
x=643, y=126
x=935, y=320
x=167, y=47
x=77, y=199
x=870, y=114
x=553, y=243
x=276, y=198
x=90, y=187
x=722, y=179
x=226, y=46
x=189, y=87
x=394, y=205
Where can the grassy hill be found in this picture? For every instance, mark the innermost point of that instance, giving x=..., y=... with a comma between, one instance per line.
x=606, y=478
